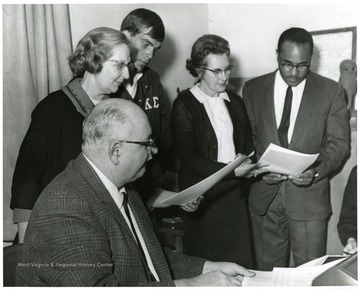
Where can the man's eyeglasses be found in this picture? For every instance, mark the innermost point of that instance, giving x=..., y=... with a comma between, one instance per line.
x=119, y=64
x=289, y=66
x=219, y=71
x=150, y=144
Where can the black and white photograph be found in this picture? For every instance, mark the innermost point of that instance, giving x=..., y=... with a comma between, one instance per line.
x=179, y=143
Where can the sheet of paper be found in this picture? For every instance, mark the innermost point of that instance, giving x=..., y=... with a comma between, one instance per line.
x=200, y=188
x=321, y=260
x=285, y=161
x=300, y=276
x=156, y=201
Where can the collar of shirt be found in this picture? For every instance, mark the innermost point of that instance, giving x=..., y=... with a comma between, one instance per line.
x=202, y=96
x=118, y=197
x=109, y=185
x=221, y=122
x=83, y=103
x=280, y=88
x=133, y=88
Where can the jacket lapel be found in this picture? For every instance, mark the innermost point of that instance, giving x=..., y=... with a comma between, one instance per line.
x=99, y=191
x=306, y=108
x=151, y=241
x=268, y=106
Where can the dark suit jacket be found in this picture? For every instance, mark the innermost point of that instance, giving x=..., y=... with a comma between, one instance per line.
x=322, y=126
x=77, y=236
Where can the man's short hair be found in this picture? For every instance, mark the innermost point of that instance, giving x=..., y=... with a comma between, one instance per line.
x=297, y=35
x=140, y=19
x=97, y=126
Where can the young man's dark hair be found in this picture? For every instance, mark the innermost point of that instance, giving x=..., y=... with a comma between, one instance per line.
x=142, y=18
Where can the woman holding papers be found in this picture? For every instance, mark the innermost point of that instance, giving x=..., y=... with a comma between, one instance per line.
x=211, y=127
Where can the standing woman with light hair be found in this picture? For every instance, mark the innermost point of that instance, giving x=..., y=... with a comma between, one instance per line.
x=99, y=64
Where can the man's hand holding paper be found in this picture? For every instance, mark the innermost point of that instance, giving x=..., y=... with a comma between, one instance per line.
x=274, y=179
x=287, y=162
x=304, y=179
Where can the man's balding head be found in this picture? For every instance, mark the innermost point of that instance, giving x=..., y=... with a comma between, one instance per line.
x=111, y=133
x=99, y=124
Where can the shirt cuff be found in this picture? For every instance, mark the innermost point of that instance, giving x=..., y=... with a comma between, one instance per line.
x=21, y=215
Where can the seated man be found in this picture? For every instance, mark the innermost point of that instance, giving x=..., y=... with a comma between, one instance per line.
x=90, y=228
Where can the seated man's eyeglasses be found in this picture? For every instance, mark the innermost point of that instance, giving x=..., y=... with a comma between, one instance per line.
x=289, y=66
x=150, y=144
x=219, y=71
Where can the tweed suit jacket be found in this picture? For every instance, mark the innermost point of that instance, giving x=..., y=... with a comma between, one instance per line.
x=77, y=236
x=322, y=126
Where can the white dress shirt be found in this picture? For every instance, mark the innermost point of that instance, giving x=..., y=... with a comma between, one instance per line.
x=132, y=88
x=280, y=88
x=220, y=120
x=118, y=198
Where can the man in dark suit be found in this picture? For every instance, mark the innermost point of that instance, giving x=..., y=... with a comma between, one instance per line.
x=90, y=228
x=145, y=31
x=305, y=112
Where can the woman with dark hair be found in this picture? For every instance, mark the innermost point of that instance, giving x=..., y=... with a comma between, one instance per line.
x=211, y=128
x=99, y=64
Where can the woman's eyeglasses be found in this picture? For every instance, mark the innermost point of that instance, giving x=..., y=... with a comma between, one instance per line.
x=219, y=71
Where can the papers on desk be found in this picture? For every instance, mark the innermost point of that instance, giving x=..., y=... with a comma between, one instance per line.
x=300, y=276
x=200, y=188
x=285, y=161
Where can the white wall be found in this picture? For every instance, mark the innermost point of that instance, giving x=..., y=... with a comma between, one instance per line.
x=184, y=23
x=253, y=30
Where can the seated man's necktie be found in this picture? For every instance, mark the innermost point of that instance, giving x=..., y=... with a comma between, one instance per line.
x=126, y=208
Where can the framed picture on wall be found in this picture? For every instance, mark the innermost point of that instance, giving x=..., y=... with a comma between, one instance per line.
x=331, y=47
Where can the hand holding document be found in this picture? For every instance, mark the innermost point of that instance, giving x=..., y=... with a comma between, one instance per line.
x=200, y=188
x=285, y=161
x=351, y=246
x=156, y=201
